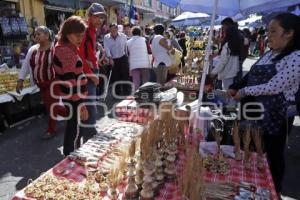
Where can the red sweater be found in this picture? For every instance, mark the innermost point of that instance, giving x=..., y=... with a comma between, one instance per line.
x=69, y=69
x=90, y=51
x=41, y=65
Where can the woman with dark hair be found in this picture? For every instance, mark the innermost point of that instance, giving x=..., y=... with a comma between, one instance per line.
x=228, y=66
x=38, y=63
x=246, y=45
x=139, y=62
x=273, y=81
x=160, y=51
x=182, y=43
x=69, y=69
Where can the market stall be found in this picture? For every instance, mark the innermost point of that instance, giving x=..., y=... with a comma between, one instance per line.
x=15, y=107
x=157, y=160
x=13, y=32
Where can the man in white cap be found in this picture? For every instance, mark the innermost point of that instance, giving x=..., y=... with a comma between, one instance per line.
x=96, y=19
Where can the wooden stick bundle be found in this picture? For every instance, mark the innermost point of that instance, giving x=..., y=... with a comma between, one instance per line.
x=191, y=179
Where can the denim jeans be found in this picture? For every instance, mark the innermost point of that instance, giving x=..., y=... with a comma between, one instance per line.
x=92, y=109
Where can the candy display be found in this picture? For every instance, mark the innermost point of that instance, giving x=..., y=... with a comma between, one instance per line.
x=130, y=111
x=216, y=165
x=9, y=81
x=110, y=143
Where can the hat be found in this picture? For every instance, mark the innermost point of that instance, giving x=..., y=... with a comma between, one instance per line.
x=96, y=9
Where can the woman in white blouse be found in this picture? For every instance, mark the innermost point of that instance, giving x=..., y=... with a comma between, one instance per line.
x=229, y=62
x=139, y=63
x=160, y=52
x=273, y=81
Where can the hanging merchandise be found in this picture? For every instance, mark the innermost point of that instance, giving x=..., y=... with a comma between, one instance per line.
x=5, y=27
x=14, y=26
x=133, y=15
x=23, y=25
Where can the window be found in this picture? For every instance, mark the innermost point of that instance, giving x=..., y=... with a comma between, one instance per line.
x=159, y=5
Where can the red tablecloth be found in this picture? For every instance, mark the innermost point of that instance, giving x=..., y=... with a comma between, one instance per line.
x=170, y=190
x=237, y=174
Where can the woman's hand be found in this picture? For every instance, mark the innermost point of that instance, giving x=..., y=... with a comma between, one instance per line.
x=172, y=51
x=84, y=114
x=19, y=86
x=239, y=95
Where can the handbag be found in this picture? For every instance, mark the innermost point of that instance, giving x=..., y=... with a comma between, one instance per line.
x=176, y=60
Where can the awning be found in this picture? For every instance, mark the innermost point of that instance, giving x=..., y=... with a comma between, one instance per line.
x=144, y=9
x=87, y=3
x=170, y=3
x=56, y=4
x=57, y=8
x=158, y=16
x=13, y=1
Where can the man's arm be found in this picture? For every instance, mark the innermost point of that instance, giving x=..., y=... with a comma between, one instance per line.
x=86, y=68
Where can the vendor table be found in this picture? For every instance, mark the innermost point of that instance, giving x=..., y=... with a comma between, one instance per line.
x=237, y=174
x=18, y=108
x=170, y=190
x=9, y=96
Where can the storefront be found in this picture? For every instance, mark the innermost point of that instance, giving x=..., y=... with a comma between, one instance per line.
x=56, y=11
x=14, y=30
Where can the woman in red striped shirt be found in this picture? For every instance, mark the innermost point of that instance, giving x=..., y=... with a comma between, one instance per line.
x=73, y=84
x=38, y=63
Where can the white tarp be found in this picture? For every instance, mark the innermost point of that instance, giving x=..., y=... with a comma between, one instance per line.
x=190, y=19
x=190, y=15
x=249, y=20
x=233, y=7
